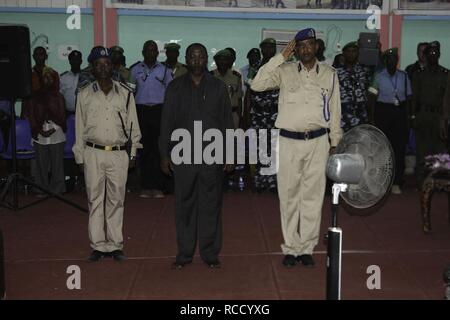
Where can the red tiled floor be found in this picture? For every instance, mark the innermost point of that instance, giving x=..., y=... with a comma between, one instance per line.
x=43, y=240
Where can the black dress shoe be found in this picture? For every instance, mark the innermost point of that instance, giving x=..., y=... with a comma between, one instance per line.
x=306, y=260
x=96, y=255
x=289, y=261
x=118, y=255
x=213, y=264
x=177, y=265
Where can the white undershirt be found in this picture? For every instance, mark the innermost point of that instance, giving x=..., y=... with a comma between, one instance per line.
x=57, y=137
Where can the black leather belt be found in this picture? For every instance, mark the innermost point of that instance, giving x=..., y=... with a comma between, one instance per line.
x=307, y=135
x=105, y=148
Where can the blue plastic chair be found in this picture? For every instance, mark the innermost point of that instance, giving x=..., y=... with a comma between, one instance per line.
x=24, y=145
x=70, y=137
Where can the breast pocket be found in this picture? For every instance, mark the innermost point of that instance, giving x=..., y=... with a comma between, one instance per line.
x=292, y=91
x=92, y=116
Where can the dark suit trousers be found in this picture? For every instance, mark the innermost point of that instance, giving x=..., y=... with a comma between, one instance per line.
x=150, y=123
x=198, y=205
x=393, y=121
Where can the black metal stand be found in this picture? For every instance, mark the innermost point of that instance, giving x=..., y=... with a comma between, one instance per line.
x=13, y=178
x=334, y=250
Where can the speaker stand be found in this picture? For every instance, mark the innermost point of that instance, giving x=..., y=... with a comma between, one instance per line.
x=14, y=177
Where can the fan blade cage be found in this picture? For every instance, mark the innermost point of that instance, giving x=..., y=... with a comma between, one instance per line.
x=369, y=142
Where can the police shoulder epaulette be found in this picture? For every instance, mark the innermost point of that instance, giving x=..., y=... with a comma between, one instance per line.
x=134, y=64
x=128, y=86
x=65, y=72
x=95, y=87
x=84, y=85
x=237, y=74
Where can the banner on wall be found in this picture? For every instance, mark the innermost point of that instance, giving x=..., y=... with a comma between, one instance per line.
x=424, y=5
x=352, y=6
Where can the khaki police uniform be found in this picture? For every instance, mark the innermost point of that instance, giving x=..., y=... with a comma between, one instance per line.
x=309, y=101
x=178, y=70
x=99, y=133
x=233, y=81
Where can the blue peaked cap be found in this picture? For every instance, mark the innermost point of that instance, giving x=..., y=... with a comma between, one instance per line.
x=305, y=34
x=99, y=52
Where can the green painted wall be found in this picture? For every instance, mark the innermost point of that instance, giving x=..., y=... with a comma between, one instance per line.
x=54, y=27
x=422, y=31
x=215, y=33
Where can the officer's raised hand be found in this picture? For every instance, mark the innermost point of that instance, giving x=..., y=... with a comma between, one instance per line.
x=288, y=51
x=166, y=166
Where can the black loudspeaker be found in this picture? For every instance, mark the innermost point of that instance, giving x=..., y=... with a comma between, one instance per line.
x=15, y=61
x=368, y=40
x=369, y=57
x=368, y=48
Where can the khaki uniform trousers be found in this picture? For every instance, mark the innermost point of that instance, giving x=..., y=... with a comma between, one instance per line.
x=301, y=188
x=105, y=173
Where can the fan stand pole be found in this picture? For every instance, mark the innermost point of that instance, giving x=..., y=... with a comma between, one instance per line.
x=334, y=248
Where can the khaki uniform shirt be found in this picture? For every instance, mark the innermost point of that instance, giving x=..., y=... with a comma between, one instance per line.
x=97, y=118
x=179, y=70
x=309, y=100
x=234, y=85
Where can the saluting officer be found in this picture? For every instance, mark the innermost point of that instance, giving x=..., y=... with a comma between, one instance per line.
x=308, y=106
x=106, y=120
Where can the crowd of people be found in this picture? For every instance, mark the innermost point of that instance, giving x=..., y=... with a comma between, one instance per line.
x=134, y=111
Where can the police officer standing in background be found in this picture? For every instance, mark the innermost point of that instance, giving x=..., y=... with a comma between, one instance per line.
x=69, y=81
x=105, y=120
x=390, y=103
x=124, y=73
x=421, y=62
x=429, y=87
x=309, y=104
x=152, y=79
x=233, y=81
x=172, y=53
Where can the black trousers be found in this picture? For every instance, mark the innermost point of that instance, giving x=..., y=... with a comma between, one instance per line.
x=393, y=121
x=150, y=123
x=198, y=206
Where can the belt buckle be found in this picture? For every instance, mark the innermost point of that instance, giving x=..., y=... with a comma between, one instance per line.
x=108, y=148
x=306, y=135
